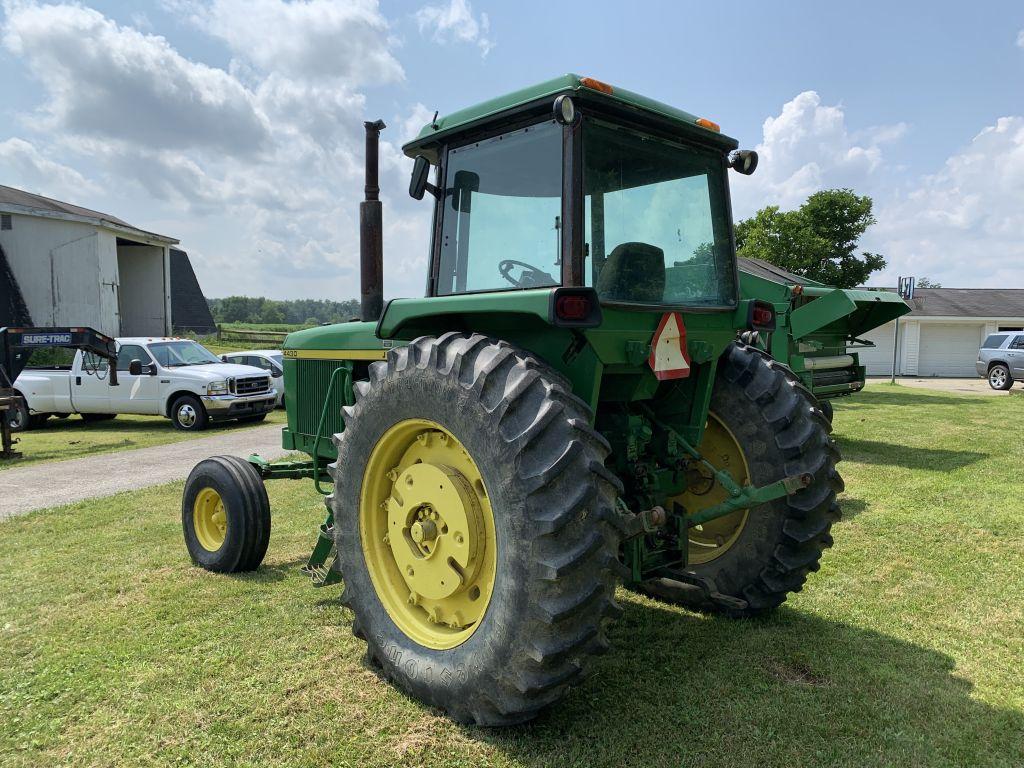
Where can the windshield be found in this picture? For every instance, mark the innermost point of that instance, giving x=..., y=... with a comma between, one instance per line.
x=657, y=221
x=174, y=353
x=279, y=359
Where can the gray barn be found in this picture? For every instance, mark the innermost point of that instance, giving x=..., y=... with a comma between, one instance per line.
x=67, y=265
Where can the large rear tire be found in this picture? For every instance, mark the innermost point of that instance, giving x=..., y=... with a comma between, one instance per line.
x=468, y=447
x=762, y=554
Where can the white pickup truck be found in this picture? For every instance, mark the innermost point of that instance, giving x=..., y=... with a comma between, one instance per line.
x=176, y=378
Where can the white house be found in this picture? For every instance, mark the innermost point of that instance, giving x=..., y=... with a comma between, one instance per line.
x=67, y=265
x=943, y=332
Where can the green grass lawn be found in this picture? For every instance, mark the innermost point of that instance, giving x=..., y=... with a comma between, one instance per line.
x=905, y=649
x=72, y=438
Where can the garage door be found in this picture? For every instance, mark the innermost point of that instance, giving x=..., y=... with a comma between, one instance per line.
x=878, y=359
x=949, y=350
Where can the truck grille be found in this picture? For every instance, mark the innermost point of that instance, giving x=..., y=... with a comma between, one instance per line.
x=313, y=378
x=250, y=385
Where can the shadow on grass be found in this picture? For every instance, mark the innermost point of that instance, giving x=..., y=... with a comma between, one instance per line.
x=852, y=507
x=270, y=573
x=793, y=689
x=902, y=396
x=910, y=457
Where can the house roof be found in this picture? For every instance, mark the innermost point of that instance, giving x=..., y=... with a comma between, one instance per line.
x=967, y=302
x=18, y=201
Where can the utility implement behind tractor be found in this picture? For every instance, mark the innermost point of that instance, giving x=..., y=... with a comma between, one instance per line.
x=568, y=407
x=819, y=328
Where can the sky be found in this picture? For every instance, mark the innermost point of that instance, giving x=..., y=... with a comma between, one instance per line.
x=236, y=125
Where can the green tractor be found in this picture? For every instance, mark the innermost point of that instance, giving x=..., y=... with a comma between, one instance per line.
x=819, y=328
x=568, y=408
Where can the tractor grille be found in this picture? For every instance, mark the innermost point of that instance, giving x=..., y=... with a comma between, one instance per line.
x=313, y=378
x=250, y=385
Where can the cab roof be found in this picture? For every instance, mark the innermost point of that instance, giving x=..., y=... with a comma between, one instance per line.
x=584, y=88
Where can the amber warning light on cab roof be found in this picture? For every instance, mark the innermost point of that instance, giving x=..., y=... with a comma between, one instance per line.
x=597, y=85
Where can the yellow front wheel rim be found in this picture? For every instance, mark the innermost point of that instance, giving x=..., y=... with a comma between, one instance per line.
x=427, y=533
x=714, y=538
x=209, y=519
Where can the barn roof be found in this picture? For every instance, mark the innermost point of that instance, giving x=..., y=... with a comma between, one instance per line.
x=18, y=201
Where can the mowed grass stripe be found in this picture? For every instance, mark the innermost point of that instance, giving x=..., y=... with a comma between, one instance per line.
x=905, y=649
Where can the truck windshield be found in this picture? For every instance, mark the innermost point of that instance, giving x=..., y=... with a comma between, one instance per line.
x=657, y=220
x=174, y=353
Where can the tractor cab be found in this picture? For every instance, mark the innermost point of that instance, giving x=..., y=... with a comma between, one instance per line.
x=577, y=183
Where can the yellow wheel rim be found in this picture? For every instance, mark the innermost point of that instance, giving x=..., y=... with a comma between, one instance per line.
x=714, y=538
x=209, y=519
x=427, y=533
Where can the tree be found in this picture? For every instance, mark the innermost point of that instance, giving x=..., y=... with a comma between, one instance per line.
x=818, y=240
x=925, y=282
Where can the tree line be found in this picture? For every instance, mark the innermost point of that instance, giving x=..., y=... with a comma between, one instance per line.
x=263, y=311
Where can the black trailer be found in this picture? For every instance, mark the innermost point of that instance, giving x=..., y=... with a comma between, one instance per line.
x=16, y=348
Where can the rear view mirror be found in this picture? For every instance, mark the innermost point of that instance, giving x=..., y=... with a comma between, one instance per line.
x=418, y=184
x=135, y=368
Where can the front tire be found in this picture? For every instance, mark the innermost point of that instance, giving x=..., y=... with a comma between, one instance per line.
x=527, y=525
x=762, y=554
x=188, y=414
x=225, y=515
x=999, y=377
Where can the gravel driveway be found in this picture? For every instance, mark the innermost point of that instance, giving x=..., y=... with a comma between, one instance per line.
x=53, y=483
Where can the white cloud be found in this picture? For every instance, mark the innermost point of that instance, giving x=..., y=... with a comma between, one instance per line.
x=456, y=22
x=25, y=167
x=807, y=147
x=962, y=224
x=1020, y=38
x=306, y=40
x=112, y=82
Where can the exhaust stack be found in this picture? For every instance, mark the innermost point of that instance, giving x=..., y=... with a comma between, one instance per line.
x=371, y=243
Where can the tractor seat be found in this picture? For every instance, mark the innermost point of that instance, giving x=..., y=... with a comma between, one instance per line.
x=633, y=272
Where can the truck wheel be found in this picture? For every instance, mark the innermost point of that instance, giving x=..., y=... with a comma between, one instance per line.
x=763, y=427
x=18, y=417
x=999, y=377
x=225, y=515
x=475, y=527
x=188, y=414
x=90, y=418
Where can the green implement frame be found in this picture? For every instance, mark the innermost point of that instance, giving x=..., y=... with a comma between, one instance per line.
x=820, y=328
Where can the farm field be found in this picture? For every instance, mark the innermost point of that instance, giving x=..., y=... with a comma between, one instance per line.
x=905, y=649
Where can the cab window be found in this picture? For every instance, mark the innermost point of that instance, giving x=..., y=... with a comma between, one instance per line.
x=995, y=341
x=129, y=352
x=1018, y=343
x=501, y=222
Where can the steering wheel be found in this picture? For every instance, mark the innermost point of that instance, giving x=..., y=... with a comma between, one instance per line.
x=531, y=275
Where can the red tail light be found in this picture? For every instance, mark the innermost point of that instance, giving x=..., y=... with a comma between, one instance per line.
x=572, y=307
x=762, y=316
